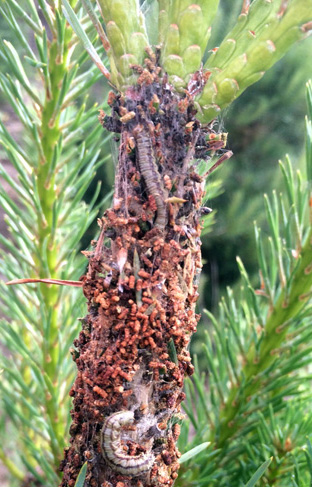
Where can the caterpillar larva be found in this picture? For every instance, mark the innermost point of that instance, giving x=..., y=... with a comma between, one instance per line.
x=112, y=449
x=149, y=170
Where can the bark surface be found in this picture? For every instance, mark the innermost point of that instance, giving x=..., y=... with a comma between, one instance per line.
x=141, y=286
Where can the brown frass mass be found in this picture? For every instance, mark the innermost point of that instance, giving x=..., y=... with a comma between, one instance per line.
x=141, y=287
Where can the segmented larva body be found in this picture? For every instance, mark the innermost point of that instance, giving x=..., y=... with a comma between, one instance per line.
x=149, y=171
x=112, y=449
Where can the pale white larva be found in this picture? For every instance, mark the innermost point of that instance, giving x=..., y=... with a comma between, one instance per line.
x=111, y=443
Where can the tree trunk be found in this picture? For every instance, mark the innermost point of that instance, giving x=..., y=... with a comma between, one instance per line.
x=141, y=286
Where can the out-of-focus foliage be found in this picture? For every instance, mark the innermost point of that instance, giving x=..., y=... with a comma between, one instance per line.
x=263, y=124
x=255, y=401
x=51, y=148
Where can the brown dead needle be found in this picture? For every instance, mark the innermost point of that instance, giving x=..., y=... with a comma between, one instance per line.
x=59, y=282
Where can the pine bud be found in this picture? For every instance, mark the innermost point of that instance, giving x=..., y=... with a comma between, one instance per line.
x=260, y=58
x=177, y=82
x=223, y=54
x=163, y=22
x=124, y=13
x=124, y=64
x=172, y=45
x=192, y=57
x=116, y=39
x=137, y=44
x=227, y=91
x=192, y=26
x=173, y=64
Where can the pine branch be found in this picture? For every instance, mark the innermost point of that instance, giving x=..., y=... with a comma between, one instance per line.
x=252, y=346
x=46, y=219
x=184, y=36
x=264, y=32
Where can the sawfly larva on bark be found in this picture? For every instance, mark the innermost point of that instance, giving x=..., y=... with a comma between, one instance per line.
x=148, y=168
x=113, y=451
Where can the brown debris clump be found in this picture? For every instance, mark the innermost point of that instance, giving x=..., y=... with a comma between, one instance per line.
x=141, y=286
